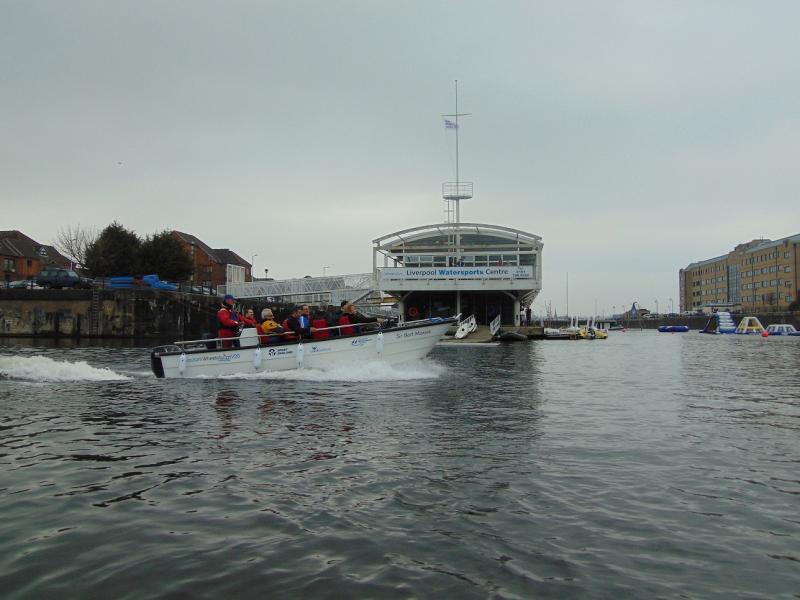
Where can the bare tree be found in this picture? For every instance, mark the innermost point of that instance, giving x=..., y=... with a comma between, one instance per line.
x=73, y=241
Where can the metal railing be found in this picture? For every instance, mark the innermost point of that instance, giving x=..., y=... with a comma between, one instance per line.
x=352, y=285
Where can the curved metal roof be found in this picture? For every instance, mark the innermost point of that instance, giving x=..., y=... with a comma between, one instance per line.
x=423, y=231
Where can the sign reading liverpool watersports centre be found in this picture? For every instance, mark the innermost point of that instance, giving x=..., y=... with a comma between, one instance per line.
x=458, y=273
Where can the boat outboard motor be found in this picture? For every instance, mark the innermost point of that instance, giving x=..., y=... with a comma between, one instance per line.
x=155, y=362
x=155, y=358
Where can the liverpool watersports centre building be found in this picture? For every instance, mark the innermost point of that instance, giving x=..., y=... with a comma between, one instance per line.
x=469, y=268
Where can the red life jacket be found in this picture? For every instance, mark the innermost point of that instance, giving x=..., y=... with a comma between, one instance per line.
x=227, y=325
x=289, y=334
x=345, y=320
x=320, y=335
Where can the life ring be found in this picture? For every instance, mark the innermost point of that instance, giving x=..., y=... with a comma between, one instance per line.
x=413, y=312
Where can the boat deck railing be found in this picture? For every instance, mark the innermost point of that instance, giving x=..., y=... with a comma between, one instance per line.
x=370, y=328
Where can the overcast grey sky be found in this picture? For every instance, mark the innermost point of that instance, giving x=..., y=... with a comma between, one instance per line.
x=634, y=137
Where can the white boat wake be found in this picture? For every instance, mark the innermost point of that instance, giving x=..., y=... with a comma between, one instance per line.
x=43, y=369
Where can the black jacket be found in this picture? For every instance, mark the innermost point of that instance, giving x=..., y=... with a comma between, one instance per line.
x=294, y=325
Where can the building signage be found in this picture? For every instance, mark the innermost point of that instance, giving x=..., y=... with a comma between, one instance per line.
x=457, y=273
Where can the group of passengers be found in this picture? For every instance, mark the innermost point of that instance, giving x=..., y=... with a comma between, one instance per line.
x=300, y=324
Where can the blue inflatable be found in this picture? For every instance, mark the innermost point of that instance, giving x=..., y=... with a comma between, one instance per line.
x=673, y=328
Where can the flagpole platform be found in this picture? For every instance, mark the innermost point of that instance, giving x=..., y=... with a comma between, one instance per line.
x=457, y=190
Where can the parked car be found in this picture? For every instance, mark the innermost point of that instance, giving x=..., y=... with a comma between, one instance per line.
x=62, y=278
x=24, y=284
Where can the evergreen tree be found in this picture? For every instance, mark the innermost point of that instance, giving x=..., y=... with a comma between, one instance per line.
x=115, y=252
x=164, y=255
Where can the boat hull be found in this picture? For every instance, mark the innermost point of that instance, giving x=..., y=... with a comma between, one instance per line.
x=393, y=346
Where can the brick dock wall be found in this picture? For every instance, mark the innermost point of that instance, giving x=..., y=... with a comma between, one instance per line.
x=106, y=313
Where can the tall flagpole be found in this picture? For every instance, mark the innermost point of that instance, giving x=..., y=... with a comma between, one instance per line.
x=458, y=203
x=458, y=192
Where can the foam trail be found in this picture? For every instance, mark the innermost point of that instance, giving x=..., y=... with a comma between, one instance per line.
x=43, y=369
x=365, y=372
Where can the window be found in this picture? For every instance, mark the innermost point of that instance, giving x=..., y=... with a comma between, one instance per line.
x=788, y=297
x=8, y=264
x=510, y=260
x=787, y=269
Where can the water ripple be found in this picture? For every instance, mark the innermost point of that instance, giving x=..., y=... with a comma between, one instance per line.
x=644, y=466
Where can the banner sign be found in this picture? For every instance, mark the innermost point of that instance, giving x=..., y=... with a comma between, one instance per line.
x=458, y=273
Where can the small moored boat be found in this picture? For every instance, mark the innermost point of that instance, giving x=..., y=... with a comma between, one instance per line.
x=511, y=336
x=204, y=358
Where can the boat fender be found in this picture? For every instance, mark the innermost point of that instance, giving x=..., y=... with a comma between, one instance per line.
x=379, y=343
x=182, y=363
x=413, y=312
x=300, y=355
x=257, y=358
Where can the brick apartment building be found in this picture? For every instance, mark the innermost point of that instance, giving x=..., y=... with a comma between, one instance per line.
x=758, y=276
x=213, y=266
x=23, y=257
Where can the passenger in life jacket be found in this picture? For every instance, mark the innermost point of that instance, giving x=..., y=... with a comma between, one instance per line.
x=319, y=327
x=350, y=316
x=291, y=325
x=344, y=319
x=305, y=321
x=269, y=328
x=228, y=321
x=249, y=318
x=334, y=314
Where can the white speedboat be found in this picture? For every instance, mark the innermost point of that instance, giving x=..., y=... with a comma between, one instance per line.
x=204, y=358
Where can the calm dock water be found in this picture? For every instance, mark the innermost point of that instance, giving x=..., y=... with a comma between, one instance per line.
x=647, y=465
